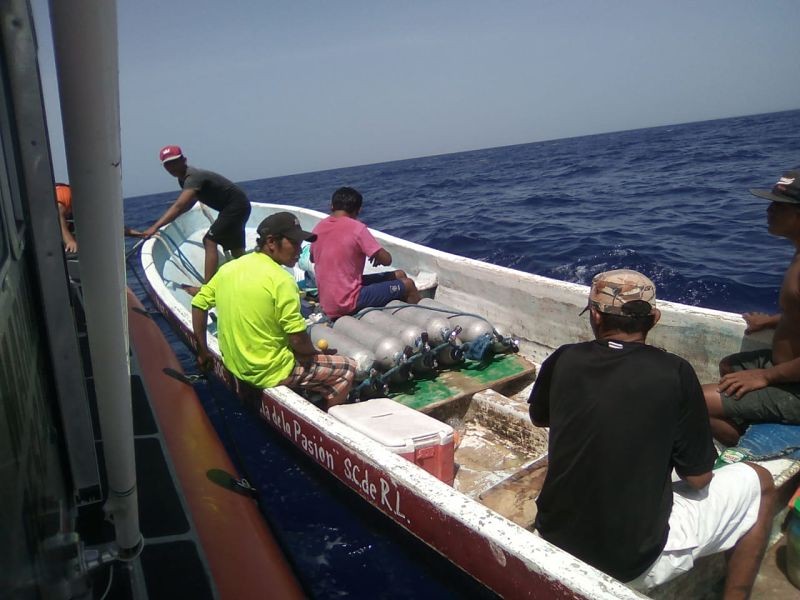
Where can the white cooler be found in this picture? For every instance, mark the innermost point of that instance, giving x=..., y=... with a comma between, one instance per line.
x=413, y=435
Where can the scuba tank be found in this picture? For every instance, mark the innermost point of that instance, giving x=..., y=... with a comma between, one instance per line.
x=388, y=350
x=441, y=333
x=411, y=335
x=408, y=333
x=476, y=331
x=471, y=327
x=345, y=346
x=435, y=323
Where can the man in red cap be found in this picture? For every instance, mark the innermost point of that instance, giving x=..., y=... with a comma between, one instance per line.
x=214, y=191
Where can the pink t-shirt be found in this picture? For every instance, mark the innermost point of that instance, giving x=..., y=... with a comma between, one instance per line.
x=340, y=252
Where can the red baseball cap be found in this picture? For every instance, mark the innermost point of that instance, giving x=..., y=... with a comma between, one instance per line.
x=169, y=153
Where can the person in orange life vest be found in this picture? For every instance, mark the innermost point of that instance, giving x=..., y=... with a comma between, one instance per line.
x=64, y=204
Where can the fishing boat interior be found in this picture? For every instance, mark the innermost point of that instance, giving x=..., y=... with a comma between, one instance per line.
x=445, y=363
x=473, y=390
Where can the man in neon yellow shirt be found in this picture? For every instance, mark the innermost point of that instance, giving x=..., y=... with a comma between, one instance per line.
x=262, y=335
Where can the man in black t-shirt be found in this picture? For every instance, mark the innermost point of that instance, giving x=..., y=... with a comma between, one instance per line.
x=214, y=191
x=622, y=415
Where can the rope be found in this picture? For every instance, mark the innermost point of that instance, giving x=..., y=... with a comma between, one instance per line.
x=182, y=257
x=133, y=249
x=182, y=269
x=183, y=264
x=136, y=246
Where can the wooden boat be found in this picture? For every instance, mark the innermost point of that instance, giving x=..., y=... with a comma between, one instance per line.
x=483, y=522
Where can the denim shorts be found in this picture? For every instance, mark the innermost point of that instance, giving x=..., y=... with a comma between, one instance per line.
x=378, y=289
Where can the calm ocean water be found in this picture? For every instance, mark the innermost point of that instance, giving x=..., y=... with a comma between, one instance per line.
x=672, y=202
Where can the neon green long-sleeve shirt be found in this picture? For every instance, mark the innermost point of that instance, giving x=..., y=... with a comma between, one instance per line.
x=258, y=306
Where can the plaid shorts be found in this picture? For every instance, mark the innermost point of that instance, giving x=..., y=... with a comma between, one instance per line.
x=327, y=374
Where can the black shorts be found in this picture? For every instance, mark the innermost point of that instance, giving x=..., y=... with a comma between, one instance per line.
x=228, y=229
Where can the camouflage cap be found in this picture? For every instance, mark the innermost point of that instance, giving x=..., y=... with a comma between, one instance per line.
x=622, y=292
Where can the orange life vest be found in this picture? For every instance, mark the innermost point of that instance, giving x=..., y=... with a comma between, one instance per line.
x=64, y=196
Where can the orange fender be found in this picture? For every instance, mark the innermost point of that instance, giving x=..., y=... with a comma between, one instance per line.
x=244, y=558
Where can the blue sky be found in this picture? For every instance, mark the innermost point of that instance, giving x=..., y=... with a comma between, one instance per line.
x=256, y=88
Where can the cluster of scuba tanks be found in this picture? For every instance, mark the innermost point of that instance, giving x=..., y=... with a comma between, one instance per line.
x=395, y=343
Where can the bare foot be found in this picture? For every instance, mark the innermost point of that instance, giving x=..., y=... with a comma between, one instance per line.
x=190, y=289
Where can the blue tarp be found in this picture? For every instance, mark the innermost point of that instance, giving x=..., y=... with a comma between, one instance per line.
x=771, y=440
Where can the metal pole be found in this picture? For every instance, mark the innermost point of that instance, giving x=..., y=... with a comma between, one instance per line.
x=85, y=43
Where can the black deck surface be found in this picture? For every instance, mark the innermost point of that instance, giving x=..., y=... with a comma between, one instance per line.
x=170, y=564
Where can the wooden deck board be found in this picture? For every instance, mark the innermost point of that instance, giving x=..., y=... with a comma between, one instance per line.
x=515, y=497
x=454, y=383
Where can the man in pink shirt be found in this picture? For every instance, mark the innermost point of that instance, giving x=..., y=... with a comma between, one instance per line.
x=340, y=252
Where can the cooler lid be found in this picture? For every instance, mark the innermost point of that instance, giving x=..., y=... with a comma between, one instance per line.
x=393, y=424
